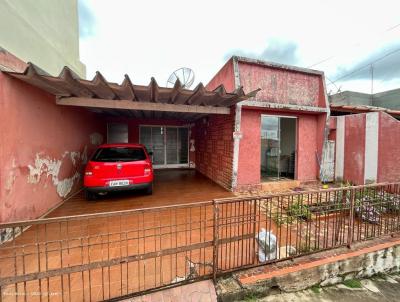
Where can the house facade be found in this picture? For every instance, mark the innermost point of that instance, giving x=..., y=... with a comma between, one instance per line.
x=278, y=134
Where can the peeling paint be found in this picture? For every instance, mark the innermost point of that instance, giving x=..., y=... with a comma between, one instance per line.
x=44, y=165
x=74, y=157
x=51, y=168
x=96, y=138
x=64, y=186
x=11, y=176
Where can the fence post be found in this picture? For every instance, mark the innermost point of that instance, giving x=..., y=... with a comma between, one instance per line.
x=351, y=219
x=215, y=240
x=255, y=231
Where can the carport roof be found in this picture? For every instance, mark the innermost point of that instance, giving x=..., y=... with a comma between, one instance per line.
x=99, y=93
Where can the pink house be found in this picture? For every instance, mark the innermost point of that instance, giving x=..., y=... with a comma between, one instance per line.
x=254, y=124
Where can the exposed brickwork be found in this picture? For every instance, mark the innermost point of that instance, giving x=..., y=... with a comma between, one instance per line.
x=214, y=148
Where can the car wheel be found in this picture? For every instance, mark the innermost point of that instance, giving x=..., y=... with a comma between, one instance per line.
x=149, y=189
x=90, y=196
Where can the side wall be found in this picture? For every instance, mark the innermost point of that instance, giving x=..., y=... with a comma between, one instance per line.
x=367, y=148
x=389, y=148
x=224, y=76
x=43, y=149
x=354, y=148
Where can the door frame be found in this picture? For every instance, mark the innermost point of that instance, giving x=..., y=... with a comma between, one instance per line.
x=165, y=165
x=295, y=142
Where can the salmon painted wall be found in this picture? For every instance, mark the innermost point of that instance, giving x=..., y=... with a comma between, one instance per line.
x=43, y=148
x=250, y=146
x=354, y=148
x=134, y=123
x=281, y=85
x=371, y=151
x=389, y=149
x=224, y=76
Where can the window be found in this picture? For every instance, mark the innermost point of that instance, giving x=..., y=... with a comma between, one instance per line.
x=117, y=133
x=119, y=154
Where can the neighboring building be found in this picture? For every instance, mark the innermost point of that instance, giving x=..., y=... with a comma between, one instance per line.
x=388, y=99
x=44, y=32
x=365, y=130
x=367, y=147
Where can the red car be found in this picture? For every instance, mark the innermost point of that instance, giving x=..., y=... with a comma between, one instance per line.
x=116, y=167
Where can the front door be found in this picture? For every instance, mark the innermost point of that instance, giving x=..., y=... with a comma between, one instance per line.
x=278, y=147
x=169, y=145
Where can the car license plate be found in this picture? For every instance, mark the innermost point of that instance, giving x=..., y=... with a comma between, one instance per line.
x=118, y=183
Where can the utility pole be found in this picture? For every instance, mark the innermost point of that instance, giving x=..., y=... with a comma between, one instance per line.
x=372, y=82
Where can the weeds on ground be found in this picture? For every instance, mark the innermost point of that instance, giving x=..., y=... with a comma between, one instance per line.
x=352, y=283
x=250, y=298
x=316, y=289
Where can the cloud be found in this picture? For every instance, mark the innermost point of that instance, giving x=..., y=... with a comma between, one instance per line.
x=385, y=61
x=87, y=20
x=278, y=51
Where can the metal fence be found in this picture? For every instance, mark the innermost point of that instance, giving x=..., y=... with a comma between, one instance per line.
x=108, y=255
x=264, y=229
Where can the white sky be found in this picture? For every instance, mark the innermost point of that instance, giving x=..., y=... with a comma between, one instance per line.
x=153, y=38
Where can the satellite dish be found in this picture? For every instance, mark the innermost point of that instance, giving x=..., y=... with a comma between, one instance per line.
x=185, y=76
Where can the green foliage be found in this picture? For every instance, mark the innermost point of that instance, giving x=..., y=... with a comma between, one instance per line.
x=250, y=298
x=316, y=289
x=352, y=283
x=299, y=210
x=281, y=219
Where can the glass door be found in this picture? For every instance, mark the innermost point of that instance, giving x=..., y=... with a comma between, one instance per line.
x=278, y=147
x=172, y=145
x=153, y=138
x=270, y=147
x=168, y=144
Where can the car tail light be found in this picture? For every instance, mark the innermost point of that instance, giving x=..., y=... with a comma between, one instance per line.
x=89, y=170
x=147, y=170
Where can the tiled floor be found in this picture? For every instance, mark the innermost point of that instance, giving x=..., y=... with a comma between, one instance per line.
x=170, y=187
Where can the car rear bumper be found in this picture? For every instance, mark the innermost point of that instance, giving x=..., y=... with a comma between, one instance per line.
x=139, y=186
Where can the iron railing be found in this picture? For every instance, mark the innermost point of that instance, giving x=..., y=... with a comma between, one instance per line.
x=108, y=255
x=264, y=229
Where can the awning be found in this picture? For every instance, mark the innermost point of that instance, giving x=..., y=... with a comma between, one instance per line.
x=133, y=100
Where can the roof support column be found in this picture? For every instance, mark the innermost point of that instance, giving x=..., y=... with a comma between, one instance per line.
x=237, y=135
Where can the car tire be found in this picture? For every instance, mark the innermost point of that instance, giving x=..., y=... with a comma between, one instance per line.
x=149, y=190
x=90, y=196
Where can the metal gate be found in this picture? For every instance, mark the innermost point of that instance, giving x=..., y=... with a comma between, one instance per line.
x=107, y=255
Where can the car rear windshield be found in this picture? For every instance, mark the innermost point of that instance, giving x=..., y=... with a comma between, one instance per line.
x=119, y=154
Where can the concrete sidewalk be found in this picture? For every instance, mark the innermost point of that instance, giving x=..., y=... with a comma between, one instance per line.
x=379, y=289
x=202, y=291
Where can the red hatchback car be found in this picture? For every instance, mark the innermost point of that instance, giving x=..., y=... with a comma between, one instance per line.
x=116, y=167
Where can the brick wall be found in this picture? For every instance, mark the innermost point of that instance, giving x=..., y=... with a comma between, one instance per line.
x=214, y=148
